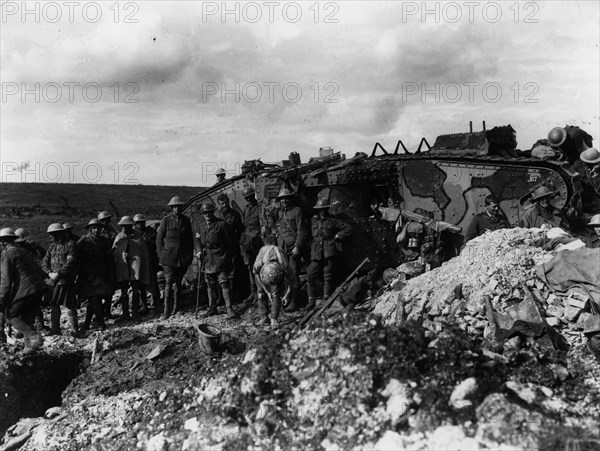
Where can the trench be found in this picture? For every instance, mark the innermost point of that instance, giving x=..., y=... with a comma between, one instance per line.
x=31, y=386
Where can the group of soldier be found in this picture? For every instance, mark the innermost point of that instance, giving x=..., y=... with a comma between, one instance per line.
x=91, y=268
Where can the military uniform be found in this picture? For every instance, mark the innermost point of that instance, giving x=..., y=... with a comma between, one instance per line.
x=422, y=249
x=175, y=246
x=251, y=241
x=149, y=237
x=292, y=233
x=537, y=216
x=60, y=259
x=327, y=234
x=483, y=222
x=215, y=240
x=95, y=280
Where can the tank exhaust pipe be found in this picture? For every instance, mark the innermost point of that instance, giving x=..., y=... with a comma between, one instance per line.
x=483, y=125
x=470, y=126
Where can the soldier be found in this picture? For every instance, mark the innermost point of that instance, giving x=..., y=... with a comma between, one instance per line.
x=221, y=174
x=149, y=237
x=327, y=235
x=69, y=229
x=251, y=241
x=492, y=218
x=570, y=141
x=236, y=227
x=21, y=291
x=592, y=238
x=108, y=232
x=175, y=247
x=588, y=167
x=132, y=267
x=274, y=279
x=60, y=265
x=25, y=241
x=95, y=278
x=543, y=212
x=216, y=246
x=421, y=247
x=292, y=237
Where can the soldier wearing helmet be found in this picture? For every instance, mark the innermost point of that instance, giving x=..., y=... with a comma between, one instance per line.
x=328, y=233
x=95, y=279
x=275, y=281
x=251, y=241
x=292, y=237
x=175, y=248
x=108, y=231
x=61, y=266
x=492, y=218
x=592, y=237
x=221, y=176
x=132, y=268
x=70, y=234
x=543, y=212
x=588, y=167
x=25, y=241
x=570, y=141
x=216, y=251
x=21, y=291
x=236, y=228
x=149, y=237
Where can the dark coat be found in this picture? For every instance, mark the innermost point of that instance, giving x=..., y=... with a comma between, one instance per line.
x=483, y=222
x=96, y=269
x=175, y=241
x=234, y=220
x=324, y=231
x=292, y=230
x=60, y=258
x=217, y=244
x=19, y=276
x=251, y=241
x=536, y=216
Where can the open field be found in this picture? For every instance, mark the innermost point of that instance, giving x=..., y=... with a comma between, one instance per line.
x=35, y=205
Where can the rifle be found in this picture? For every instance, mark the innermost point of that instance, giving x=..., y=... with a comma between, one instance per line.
x=310, y=316
x=437, y=226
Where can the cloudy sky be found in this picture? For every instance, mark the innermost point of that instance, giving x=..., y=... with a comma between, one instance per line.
x=165, y=92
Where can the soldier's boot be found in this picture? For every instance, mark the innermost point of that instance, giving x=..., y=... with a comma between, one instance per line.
x=211, y=290
x=135, y=302
x=33, y=339
x=275, y=309
x=176, y=299
x=55, y=320
x=143, y=301
x=312, y=302
x=166, y=303
x=124, y=301
x=231, y=314
x=89, y=313
x=98, y=311
x=72, y=318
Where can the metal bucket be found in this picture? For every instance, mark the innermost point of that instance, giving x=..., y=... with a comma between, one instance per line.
x=209, y=338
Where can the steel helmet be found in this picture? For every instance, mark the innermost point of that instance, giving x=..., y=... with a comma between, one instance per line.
x=207, y=206
x=541, y=192
x=271, y=273
x=175, y=200
x=557, y=136
x=67, y=226
x=94, y=222
x=221, y=171
x=139, y=218
x=125, y=220
x=590, y=155
x=56, y=227
x=248, y=192
x=104, y=215
x=322, y=204
x=592, y=324
x=7, y=232
x=22, y=234
x=284, y=192
x=595, y=221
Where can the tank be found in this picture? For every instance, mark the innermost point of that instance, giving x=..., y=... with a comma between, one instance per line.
x=447, y=181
